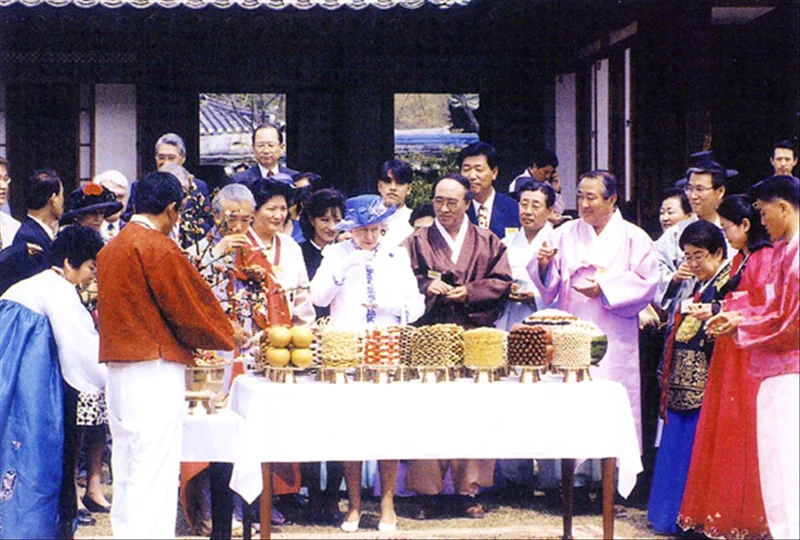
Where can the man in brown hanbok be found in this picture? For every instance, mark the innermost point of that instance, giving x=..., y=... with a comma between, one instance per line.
x=464, y=273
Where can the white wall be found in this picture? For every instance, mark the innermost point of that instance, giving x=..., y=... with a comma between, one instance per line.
x=566, y=147
x=115, y=129
x=601, y=111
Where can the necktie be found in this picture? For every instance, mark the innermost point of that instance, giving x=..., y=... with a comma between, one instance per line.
x=483, y=217
x=270, y=173
x=111, y=232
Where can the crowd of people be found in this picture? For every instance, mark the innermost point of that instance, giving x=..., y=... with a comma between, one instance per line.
x=107, y=292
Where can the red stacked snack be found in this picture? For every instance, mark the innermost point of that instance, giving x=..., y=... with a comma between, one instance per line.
x=382, y=346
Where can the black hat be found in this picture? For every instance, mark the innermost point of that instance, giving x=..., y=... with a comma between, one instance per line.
x=697, y=160
x=89, y=198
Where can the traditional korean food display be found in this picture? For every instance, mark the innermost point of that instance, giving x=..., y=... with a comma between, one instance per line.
x=283, y=345
x=484, y=347
x=341, y=348
x=438, y=345
x=529, y=346
x=548, y=339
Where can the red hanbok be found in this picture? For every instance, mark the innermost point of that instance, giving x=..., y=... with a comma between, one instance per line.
x=723, y=489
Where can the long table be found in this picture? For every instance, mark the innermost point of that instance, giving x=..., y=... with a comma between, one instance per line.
x=411, y=420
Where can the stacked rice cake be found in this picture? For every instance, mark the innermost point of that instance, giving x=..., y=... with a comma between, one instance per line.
x=341, y=349
x=484, y=347
x=529, y=346
x=438, y=345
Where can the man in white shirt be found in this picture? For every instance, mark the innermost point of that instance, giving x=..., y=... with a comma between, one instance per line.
x=394, y=186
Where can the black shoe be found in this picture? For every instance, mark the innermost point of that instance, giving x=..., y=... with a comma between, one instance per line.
x=92, y=506
x=85, y=518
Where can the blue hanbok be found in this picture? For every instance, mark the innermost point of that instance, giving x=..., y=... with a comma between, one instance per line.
x=31, y=425
x=47, y=341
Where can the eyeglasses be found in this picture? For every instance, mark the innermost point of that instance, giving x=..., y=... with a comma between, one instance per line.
x=700, y=190
x=238, y=220
x=696, y=259
x=451, y=204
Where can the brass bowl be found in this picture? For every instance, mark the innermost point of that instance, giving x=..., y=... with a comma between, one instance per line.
x=205, y=378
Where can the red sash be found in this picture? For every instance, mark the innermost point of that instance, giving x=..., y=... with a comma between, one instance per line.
x=285, y=476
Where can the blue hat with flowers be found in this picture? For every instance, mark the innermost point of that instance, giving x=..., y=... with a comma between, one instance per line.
x=364, y=210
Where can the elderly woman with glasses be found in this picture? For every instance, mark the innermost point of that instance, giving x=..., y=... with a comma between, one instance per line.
x=684, y=372
x=367, y=283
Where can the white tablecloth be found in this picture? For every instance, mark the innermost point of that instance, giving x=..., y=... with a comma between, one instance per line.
x=311, y=421
x=214, y=437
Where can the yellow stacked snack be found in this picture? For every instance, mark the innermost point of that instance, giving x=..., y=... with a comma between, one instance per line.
x=572, y=346
x=382, y=346
x=529, y=345
x=438, y=345
x=484, y=347
x=341, y=349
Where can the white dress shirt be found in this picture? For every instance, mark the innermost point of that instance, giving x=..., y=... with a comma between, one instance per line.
x=8, y=229
x=488, y=205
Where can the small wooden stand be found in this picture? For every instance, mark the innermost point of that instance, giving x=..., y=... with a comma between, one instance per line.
x=530, y=374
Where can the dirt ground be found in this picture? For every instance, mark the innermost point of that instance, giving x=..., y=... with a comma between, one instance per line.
x=511, y=515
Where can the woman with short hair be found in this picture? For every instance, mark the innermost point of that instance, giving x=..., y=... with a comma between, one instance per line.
x=48, y=355
x=684, y=373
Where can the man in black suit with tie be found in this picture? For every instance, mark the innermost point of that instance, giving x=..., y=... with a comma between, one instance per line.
x=29, y=254
x=268, y=146
x=489, y=209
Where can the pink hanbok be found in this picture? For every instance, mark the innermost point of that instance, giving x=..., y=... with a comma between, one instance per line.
x=623, y=261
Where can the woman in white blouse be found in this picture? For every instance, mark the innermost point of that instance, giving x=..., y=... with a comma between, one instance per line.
x=367, y=283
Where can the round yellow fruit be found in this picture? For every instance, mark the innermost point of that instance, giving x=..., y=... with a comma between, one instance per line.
x=302, y=358
x=302, y=337
x=278, y=357
x=279, y=336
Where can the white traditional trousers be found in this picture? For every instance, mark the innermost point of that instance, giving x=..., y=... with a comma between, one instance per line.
x=779, y=453
x=145, y=412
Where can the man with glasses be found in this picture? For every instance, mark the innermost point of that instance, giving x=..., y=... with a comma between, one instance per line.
x=171, y=150
x=464, y=274
x=705, y=187
x=8, y=225
x=268, y=147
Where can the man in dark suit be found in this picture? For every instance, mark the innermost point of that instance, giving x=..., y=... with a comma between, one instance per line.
x=170, y=148
x=489, y=209
x=29, y=254
x=268, y=146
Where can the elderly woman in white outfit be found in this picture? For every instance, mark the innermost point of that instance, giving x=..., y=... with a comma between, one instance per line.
x=367, y=283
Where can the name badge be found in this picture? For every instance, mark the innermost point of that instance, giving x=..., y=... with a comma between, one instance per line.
x=769, y=291
x=511, y=231
x=685, y=305
x=433, y=274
